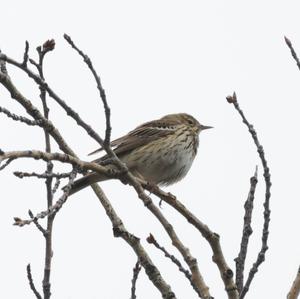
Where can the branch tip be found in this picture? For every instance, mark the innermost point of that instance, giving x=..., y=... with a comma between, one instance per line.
x=231, y=99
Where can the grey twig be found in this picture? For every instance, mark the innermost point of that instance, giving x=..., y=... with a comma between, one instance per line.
x=39, y=227
x=265, y=232
x=188, y=275
x=22, y=119
x=7, y=162
x=31, y=283
x=44, y=175
x=25, y=56
x=56, y=185
x=88, y=61
x=247, y=231
x=136, y=270
x=293, y=52
x=52, y=210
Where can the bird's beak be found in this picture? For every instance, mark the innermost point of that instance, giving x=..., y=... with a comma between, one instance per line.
x=202, y=127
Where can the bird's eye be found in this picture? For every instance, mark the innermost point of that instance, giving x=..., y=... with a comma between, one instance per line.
x=190, y=122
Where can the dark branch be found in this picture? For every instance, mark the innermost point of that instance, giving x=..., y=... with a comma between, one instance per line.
x=6, y=163
x=44, y=175
x=247, y=231
x=136, y=270
x=265, y=232
x=56, y=185
x=88, y=61
x=39, y=227
x=31, y=283
x=53, y=210
x=293, y=52
x=188, y=275
x=22, y=119
x=25, y=56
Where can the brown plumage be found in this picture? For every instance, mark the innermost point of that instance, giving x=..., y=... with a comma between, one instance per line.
x=160, y=151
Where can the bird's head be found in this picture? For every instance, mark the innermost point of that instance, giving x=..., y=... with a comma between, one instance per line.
x=188, y=120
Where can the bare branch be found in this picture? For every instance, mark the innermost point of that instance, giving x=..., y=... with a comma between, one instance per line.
x=265, y=232
x=247, y=231
x=31, y=283
x=136, y=270
x=295, y=289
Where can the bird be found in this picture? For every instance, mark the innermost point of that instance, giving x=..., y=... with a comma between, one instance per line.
x=160, y=151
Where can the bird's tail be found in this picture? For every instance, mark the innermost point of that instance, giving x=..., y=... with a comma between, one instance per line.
x=86, y=181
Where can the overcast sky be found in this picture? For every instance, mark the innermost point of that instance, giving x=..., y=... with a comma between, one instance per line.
x=154, y=58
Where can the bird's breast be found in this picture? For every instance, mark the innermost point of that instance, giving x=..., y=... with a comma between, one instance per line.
x=169, y=161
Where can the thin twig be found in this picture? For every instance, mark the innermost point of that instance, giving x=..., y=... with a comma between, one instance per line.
x=49, y=179
x=20, y=118
x=265, y=232
x=136, y=270
x=35, y=221
x=188, y=275
x=247, y=231
x=88, y=61
x=44, y=175
x=52, y=210
x=6, y=163
x=25, y=56
x=31, y=283
x=293, y=52
x=56, y=185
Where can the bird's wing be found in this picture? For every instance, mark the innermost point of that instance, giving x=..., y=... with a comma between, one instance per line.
x=140, y=136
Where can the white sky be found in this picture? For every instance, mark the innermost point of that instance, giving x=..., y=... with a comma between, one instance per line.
x=156, y=58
